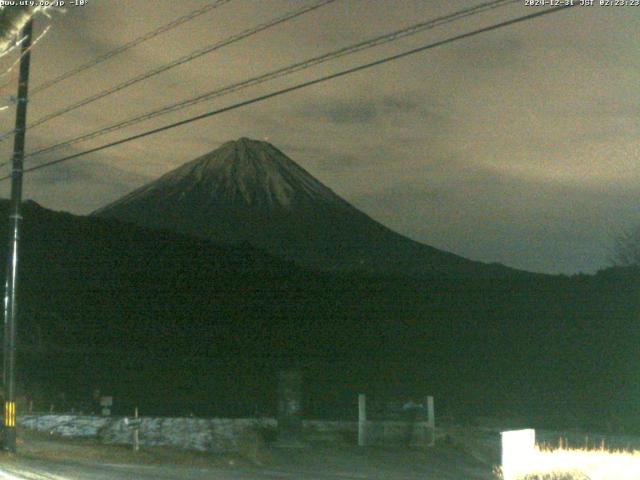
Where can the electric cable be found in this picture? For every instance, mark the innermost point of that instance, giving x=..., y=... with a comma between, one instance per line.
x=300, y=86
x=181, y=61
x=363, y=45
x=129, y=45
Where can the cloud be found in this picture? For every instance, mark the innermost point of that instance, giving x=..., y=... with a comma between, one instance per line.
x=340, y=112
x=520, y=222
x=491, y=53
x=78, y=186
x=519, y=141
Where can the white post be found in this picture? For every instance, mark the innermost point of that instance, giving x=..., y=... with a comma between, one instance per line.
x=136, y=433
x=431, y=421
x=518, y=452
x=362, y=419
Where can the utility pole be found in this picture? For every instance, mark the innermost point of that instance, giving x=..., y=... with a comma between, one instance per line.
x=15, y=220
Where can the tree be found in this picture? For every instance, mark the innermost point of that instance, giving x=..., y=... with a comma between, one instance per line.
x=626, y=248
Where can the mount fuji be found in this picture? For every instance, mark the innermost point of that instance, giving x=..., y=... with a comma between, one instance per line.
x=248, y=191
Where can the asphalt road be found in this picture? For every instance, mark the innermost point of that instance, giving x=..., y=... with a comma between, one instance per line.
x=45, y=457
x=322, y=464
x=51, y=471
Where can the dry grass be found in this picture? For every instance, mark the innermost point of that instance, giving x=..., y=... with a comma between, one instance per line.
x=557, y=476
x=582, y=464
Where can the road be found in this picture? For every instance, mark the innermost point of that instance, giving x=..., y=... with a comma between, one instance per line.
x=42, y=457
x=304, y=466
x=40, y=470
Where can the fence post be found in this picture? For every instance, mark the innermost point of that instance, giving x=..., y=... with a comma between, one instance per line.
x=431, y=421
x=362, y=419
x=290, y=408
x=136, y=433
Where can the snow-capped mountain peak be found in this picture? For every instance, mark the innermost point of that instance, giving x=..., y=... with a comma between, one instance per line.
x=248, y=191
x=243, y=172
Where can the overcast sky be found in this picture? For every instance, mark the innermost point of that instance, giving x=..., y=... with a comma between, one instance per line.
x=517, y=146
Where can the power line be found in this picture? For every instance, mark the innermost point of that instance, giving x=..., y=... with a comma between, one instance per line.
x=300, y=86
x=363, y=45
x=129, y=45
x=181, y=61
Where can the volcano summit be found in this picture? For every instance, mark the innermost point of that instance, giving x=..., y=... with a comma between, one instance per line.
x=248, y=191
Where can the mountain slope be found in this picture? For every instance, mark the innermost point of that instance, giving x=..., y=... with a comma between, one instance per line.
x=249, y=191
x=168, y=322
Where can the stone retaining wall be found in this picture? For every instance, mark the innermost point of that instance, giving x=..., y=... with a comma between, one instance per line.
x=209, y=434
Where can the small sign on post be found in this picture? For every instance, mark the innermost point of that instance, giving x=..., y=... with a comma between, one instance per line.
x=106, y=403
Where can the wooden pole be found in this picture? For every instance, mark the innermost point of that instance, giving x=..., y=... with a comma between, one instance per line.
x=15, y=227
